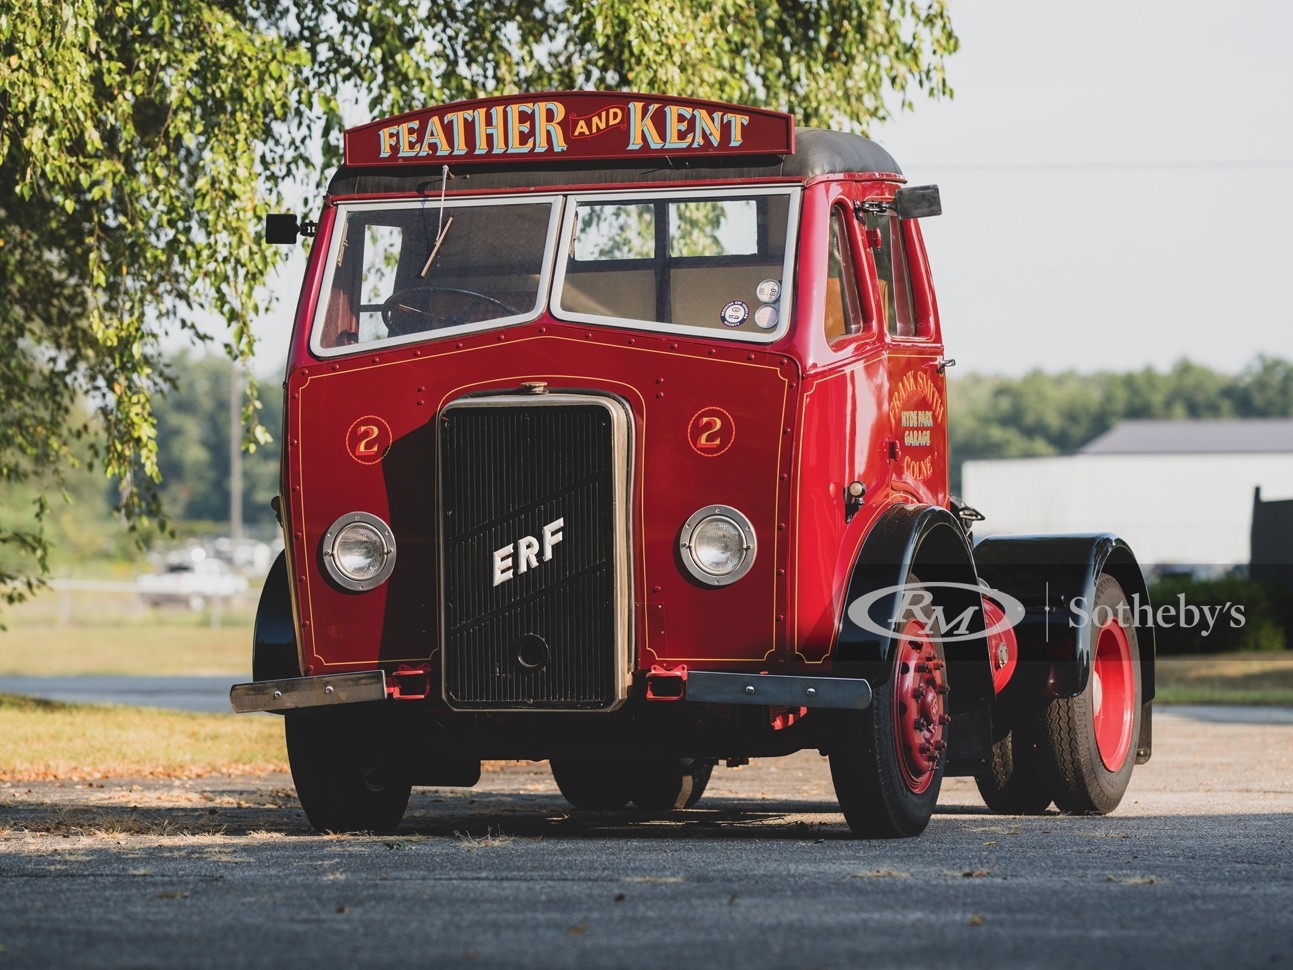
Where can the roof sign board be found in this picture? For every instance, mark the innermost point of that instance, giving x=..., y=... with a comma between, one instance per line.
x=569, y=126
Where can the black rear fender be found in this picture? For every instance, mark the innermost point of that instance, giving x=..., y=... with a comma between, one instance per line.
x=1054, y=578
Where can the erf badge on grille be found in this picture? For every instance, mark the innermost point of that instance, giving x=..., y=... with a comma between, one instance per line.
x=525, y=552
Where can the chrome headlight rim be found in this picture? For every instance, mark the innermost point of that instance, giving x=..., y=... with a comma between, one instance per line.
x=686, y=547
x=333, y=536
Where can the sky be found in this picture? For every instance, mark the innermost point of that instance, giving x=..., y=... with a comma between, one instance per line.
x=1117, y=184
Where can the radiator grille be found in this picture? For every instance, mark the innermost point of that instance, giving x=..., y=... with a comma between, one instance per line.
x=529, y=527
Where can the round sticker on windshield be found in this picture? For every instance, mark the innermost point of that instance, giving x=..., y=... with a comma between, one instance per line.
x=769, y=291
x=765, y=318
x=735, y=313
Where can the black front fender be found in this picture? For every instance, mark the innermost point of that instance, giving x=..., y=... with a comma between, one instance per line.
x=274, y=654
x=929, y=543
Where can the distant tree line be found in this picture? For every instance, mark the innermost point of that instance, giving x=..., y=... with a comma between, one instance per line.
x=1055, y=414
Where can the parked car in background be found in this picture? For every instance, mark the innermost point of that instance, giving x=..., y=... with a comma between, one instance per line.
x=190, y=579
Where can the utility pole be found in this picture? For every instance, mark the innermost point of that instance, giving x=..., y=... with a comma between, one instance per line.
x=235, y=453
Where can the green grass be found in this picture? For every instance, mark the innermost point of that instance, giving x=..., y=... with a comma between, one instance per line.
x=109, y=633
x=166, y=646
x=1231, y=678
x=47, y=740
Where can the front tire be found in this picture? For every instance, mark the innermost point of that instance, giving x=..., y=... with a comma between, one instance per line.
x=887, y=761
x=668, y=784
x=342, y=779
x=1089, y=740
x=590, y=784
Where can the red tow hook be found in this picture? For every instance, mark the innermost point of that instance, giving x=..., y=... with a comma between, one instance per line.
x=407, y=683
x=667, y=685
x=782, y=717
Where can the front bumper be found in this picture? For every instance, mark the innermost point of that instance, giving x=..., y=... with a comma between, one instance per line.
x=294, y=693
x=697, y=686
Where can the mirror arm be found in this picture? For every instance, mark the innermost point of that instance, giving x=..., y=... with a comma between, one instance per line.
x=860, y=209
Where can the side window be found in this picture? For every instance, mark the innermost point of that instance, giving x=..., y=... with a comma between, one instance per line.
x=892, y=274
x=843, y=306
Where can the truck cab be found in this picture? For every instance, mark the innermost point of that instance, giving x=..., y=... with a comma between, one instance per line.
x=616, y=435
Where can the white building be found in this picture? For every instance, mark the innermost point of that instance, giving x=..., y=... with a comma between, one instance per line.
x=1179, y=492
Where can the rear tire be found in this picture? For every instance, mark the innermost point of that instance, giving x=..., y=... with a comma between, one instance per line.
x=589, y=784
x=342, y=780
x=1089, y=740
x=1015, y=781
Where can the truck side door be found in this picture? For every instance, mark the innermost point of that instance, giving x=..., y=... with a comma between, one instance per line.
x=917, y=391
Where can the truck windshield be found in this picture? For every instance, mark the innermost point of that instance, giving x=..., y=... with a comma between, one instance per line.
x=400, y=271
x=709, y=263
x=713, y=264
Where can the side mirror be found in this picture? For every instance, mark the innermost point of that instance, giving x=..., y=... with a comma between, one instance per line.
x=282, y=228
x=917, y=202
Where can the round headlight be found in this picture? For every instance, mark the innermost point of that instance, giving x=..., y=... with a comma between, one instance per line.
x=717, y=545
x=359, y=551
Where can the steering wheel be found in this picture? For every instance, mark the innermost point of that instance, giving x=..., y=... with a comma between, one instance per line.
x=404, y=311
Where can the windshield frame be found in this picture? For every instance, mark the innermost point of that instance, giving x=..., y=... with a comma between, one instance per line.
x=341, y=227
x=793, y=191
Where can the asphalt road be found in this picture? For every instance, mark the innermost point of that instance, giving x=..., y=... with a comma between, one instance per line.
x=1194, y=870
x=207, y=694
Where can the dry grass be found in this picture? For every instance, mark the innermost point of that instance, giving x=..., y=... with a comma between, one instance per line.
x=490, y=840
x=1236, y=678
x=46, y=740
x=167, y=646
x=98, y=822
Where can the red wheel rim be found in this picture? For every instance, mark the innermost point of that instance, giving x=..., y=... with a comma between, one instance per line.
x=1113, y=695
x=919, y=715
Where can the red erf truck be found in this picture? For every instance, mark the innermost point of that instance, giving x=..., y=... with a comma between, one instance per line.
x=616, y=435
